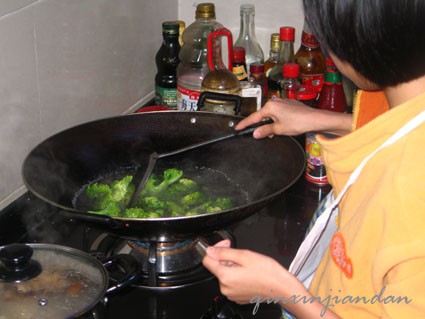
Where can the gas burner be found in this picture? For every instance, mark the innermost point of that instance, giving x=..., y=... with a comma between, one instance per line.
x=165, y=265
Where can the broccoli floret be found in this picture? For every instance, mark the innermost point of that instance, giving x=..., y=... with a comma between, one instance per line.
x=135, y=212
x=170, y=176
x=99, y=193
x=223, y=202
x=173, y=209
x=121, y=188
x=179, y=189
x=112, y=209
x=193, y=199
x=212, y=206
x=152, y=204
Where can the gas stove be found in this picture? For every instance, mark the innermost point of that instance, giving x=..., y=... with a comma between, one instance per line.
x=173, y=284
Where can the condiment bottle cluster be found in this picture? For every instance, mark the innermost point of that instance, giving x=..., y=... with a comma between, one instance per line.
x=190, y=64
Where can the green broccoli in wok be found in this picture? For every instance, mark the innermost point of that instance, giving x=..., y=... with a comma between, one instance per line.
x=169, y=196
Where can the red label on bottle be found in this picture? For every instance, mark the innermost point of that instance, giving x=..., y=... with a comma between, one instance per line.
x=187, y=99
x=309, y=40
x=314, y=80
x=315, y=170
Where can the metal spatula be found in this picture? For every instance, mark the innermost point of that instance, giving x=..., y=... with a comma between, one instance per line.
x=153, y=157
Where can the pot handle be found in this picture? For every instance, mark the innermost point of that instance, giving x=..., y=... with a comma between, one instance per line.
x=221, y=97
x=128, y=267
x=91, y=218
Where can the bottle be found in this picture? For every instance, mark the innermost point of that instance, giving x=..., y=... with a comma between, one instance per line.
x=247, y=38
x=286, y=55
x=273, y=54
x=239, y=65
x=332, y=98
x=311, y=60
x=256, y=71
x=193, y=64
x=290, y=83
x=167, y=59
x=220, y=79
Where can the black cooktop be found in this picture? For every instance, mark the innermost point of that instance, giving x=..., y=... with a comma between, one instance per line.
x=276, y=230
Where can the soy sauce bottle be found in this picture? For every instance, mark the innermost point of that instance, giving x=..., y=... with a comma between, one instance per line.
x=167, y=60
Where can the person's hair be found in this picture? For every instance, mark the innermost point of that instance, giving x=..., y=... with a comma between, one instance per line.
x=384, y=40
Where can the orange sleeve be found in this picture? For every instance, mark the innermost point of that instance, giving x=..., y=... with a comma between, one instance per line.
x=367, y=106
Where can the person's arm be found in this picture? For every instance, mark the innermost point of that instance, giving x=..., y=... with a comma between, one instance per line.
x=292, y=117
x=248, y=277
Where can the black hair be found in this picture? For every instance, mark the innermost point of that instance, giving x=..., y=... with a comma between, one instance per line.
x=384, y=40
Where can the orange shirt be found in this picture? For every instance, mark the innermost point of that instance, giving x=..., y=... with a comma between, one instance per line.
x=375, y=267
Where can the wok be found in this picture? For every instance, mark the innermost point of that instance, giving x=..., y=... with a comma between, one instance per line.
x=251, y=172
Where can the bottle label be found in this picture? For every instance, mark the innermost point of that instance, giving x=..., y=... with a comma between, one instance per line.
x=314, y=80
x=187, y=99
x=309, y=40
x=315, y=170
x=166, y=97
x=240, y=72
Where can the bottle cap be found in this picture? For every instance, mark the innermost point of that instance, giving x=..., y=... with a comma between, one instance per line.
x=247, y=8
x=170, y=27
x=238, y=54
x=329, y=62
x=205, y=10
x=287, y=34
x=256, y=67
x=291, y=70
x=275, y=41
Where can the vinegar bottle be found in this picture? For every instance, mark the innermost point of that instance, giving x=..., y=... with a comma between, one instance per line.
x=193, y=64
x=167, y=59
x=286, y=55
x=311, y=59
x=247, y=38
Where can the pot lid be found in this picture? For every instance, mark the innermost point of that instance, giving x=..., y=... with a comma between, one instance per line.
x=48, y=281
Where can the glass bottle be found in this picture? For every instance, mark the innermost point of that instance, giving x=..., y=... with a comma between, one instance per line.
x=311, y=59
x=247, y=38
x=167, y=59
x=273, y=55
x=220, y=79
x=239, y=65
x=286, y=55
x=193, y=64
x=332, y=97
x=290, y=83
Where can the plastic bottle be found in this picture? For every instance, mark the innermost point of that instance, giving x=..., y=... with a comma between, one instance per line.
x=247, y=38
x=167, y=59
x=311, y=59
x=239, y=65
x=193, y=57
x=290, y=83
x=332, y=97
x=286, y=55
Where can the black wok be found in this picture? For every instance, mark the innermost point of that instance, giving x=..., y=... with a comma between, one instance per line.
x=252, y=172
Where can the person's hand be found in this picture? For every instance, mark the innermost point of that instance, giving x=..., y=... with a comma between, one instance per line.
x=244, y=275
x=291, y=117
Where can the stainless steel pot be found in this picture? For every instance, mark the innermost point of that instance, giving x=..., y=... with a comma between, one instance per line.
x=52, y=281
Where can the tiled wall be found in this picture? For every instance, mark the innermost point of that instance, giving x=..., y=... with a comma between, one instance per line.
x=64, y=62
